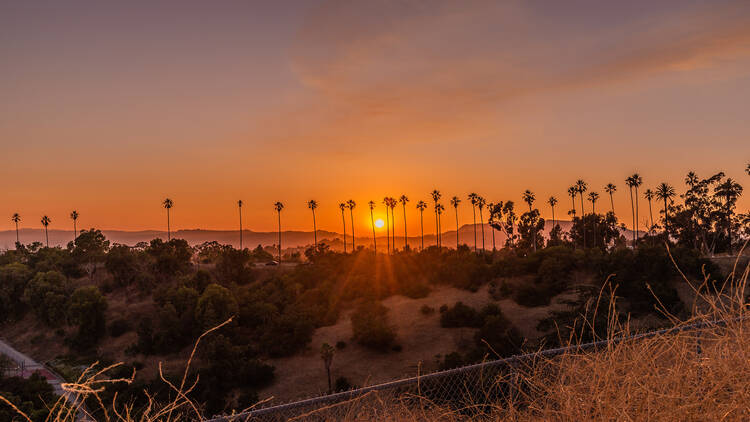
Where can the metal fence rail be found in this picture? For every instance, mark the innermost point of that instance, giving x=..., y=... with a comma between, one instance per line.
x=457, y=387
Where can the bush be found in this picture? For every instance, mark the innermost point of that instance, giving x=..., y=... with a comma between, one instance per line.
x=459, y=315
x=119, y=327
x=370, y=326
x=341, y=345
x=427, y=310
x=532, y=295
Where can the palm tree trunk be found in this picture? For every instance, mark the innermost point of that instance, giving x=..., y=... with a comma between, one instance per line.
x=75, y=232
x=374, y=241
x=46, y=235
x=169, y=233
x=583, y=221
x=393, y=229
x=17, y=238
x=481, y=221
x=474, y=211
x=456, y=208
x=351, y=213
x=387, y=231
x=240, y=211
x=636, y=213
x=553, y=217
x=279, y=237
x=493, y=238
x=437, y=228
x=593, y=214
x=534, y=230
x=406, y=238
x=343, y=220
x=651, y=214
x=632, y=211
x=666, y=221
x=421, y=225
x=315, y=230
x=612, y=203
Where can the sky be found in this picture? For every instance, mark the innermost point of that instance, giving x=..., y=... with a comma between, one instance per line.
x=110, y=107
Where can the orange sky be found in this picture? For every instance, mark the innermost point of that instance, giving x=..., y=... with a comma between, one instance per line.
x=109, y=109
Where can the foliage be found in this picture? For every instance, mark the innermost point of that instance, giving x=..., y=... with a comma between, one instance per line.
x=47, y=294
x=370, y=326
x=87, y=306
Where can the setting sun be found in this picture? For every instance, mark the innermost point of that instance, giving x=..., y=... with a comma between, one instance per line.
x=379, y=223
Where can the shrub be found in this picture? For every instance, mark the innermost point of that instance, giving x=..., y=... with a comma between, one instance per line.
x=459, y=315
x=532, y=295
x=341, y=345
x=119, y=327
x=427, y=310
x=370, y=326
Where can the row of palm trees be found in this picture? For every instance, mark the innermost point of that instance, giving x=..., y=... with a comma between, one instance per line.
x=46, y=221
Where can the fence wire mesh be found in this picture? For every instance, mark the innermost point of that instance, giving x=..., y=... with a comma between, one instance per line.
x=470, y=389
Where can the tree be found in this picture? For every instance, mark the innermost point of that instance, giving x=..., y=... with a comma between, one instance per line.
x=593, y=197
x=439, y=208
x=421, y=205
x=572, y=192
x=47, y=295
x=631, y=183
x=371, y=204
x=492, y=229
x=351, y=204
x=455, y=201
x=480, y=204
x=16, y=219
x=473, y=199
x=649, y=195
x=215, y=306
x=239, y=206
x=45, y=222
x=529, y=198
x=529, y=228
x=635, y=181
x=74, y=217
x=386, y=202
x=436, y=197
x=392, y=205
x=370, y=326
x=90, y=249
x=122, y=263
x=168, y=204
x=342, y=206
x=611, y=189
x=313, y=204
x=581, y=187
x=326, y=353
x=552, y=201
x=729, y=191
x=87, y=306
x=403, y=200
x=278, y=206
x=665, y=192
x=503, y=217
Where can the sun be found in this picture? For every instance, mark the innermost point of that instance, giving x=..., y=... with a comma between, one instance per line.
x=379, y=223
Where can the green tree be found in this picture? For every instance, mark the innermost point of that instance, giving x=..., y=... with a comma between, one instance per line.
x=87, y=307
x=421, y=206
x=168, y=204
x=278, y=206
x=370, y=326
x=122, y=264
x=45, y=222
x=47, y=295
x=90, y=250
x=216, y=305
x=13, y=280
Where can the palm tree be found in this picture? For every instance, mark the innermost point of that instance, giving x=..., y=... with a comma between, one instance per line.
x=403, y=200
x=473, y=199
x=480, y=205
x=45, y=222
x=168, y=204
x=312, y=204
x=529, y=198
x=16, y=219
x=611, y=189
x=631, y=183
x=421, y=205
x=351, y=204
x=552, y=201
x=729, y=190
x=637, y=181
x=649, y=195
x=239, y=206
x=581, y=187
x=455, y=201
x=665, y=192
x=436, y=197
x=278, y=206
x=593, y=197
x=386, y=202
x=74, y=217
x=371, y=204
x=691, y=179
x=572, y=192
x=491, y=206
x=392, y=205
x=439, y=208
x=342, y=206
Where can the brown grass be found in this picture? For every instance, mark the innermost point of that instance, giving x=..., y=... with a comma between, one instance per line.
x=691, y=375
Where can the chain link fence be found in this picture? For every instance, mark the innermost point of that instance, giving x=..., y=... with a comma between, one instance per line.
x=463, y=389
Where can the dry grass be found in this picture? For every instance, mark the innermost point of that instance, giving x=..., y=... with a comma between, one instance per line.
x=691, y=375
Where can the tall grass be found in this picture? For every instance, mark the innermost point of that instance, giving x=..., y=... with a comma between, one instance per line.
x=690, y=375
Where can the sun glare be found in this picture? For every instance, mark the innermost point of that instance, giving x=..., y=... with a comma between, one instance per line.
x=379, y=223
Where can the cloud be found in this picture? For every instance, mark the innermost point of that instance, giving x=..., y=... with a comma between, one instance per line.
x=395, y=72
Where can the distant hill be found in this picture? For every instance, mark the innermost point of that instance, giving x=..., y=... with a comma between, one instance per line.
x=289, y=239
